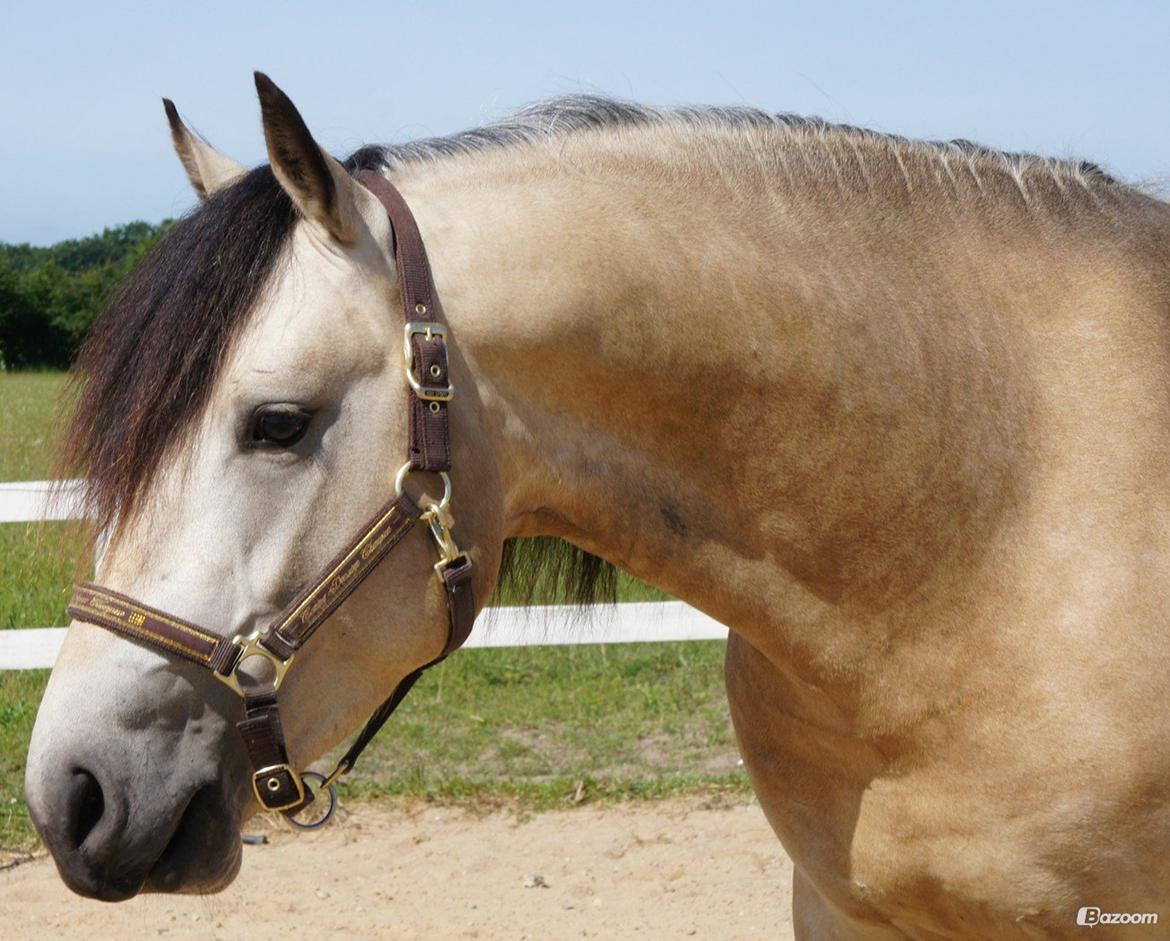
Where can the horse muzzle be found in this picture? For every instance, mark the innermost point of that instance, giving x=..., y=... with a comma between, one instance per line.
x=111, y=844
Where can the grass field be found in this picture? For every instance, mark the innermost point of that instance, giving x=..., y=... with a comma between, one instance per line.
x=531, y=728
x=29, y=418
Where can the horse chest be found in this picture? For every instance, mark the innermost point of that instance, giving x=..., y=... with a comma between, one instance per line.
x=954, y=849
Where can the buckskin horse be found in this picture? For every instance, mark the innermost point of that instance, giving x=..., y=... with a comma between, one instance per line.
x=897, y=412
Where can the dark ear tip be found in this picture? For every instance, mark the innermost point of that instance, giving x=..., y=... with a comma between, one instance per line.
x=173, y=119
x=264, y=85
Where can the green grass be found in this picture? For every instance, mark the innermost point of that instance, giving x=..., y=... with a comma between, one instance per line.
x=530, y=725
x=529, y=728
x=38, y=565
x=20, y=691
x=621, y=712
x=28, y=422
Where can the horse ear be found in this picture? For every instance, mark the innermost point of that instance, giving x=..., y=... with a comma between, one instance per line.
x=317, y=183
x=207, y=169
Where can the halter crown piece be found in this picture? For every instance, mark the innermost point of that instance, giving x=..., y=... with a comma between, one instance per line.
x=277, y=785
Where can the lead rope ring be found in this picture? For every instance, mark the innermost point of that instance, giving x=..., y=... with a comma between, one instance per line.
x=328, y=815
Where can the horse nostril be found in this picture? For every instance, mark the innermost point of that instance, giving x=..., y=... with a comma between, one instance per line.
x=88, y=805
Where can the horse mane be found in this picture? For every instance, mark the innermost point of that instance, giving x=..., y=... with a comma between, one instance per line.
x=147, y=368
x=573, y=114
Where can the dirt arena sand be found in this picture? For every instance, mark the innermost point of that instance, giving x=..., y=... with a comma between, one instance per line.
x=673, y=869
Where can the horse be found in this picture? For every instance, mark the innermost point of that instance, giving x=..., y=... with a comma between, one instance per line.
x=894, y=411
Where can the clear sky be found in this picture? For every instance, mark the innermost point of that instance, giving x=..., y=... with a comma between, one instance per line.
x=83, y=139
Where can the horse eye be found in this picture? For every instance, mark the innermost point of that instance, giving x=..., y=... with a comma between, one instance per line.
x=279, y=427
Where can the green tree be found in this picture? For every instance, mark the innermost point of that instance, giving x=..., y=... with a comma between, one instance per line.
x=28, y=338
x=50, y=296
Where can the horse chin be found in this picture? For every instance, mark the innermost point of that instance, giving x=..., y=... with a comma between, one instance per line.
x=203, y=855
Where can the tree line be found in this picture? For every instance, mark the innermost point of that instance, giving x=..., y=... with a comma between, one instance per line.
x=50, y=295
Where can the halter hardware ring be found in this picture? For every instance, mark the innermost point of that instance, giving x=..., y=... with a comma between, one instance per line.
x=250, y=646
x=323, y=784
x=405, y=471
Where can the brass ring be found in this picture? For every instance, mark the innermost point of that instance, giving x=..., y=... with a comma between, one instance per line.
x=405, y=470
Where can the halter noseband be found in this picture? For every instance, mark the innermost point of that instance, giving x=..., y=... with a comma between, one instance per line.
x=277, y=785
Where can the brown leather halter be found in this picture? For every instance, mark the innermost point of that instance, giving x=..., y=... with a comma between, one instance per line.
x=277, y=785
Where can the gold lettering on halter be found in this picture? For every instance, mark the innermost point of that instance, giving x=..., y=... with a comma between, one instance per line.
x=353, y=567
x=373, y=546
x=311, y=612
x=116, y=611
x=342, y=578
x=344, y=575
x=112, y=610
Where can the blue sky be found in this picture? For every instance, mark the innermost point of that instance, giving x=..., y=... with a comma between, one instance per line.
x=83, y=141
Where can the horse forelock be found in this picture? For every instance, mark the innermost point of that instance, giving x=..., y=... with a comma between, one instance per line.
x=147, y=367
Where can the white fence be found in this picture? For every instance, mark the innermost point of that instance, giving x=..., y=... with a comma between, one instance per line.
x=27, y=501
x=31, y=648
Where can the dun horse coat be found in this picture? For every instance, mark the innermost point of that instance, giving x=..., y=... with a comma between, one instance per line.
x=896, y=412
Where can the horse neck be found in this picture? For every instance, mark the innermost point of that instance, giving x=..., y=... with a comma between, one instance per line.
x=773, y=408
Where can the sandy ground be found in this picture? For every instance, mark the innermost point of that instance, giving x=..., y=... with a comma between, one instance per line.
x=667, y=870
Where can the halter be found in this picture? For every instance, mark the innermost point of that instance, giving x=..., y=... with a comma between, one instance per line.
x=277, y=785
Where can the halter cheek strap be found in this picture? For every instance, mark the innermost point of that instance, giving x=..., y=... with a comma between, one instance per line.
x=277, y=785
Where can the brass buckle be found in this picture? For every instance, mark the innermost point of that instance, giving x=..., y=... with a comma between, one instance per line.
x=250, y=646
x=423, y=391
x=268, y=775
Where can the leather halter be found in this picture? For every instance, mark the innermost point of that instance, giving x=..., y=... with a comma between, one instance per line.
x=277, y=785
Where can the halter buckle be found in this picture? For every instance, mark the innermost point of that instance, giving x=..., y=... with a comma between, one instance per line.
x=430, y=331
x=250, y=646
x=269, y=782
